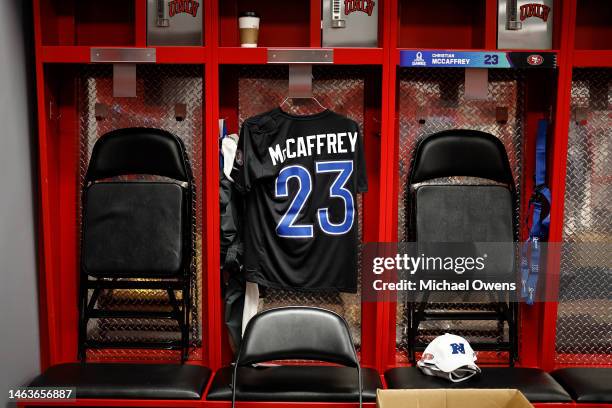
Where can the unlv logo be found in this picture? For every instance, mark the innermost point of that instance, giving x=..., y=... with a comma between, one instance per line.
x=367, y=6
x=183, y=6
x=458, y=348
x=535, y=10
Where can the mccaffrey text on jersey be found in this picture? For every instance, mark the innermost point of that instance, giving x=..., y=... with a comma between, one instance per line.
x=306, y=146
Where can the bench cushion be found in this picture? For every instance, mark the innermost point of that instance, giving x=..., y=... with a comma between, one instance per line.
x=295, y=383
x=586, y=384
x=127, y=381
x=537, y=385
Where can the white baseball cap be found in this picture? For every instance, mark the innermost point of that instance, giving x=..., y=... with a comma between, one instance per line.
x=449, y=356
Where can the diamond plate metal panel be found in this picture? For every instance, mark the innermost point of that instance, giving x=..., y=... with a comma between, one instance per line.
x=432, y=100
x=159, y=89
x=584, y=322
x=341, y=90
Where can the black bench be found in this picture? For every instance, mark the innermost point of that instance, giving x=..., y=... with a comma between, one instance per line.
x=593, y=385
x=537, y=385
x=295, y=384
x=128, y=381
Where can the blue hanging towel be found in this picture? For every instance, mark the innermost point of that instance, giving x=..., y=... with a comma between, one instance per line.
x=538, y=220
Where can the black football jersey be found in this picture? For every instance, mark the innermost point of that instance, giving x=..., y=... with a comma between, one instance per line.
x=300, y=176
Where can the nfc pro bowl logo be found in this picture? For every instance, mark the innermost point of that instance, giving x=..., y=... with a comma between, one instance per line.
x=540, y=11
x=239, y=158
x=366, y=6
x=183, y=6
x=457, y=348
x=418, y=60
x=535, y=59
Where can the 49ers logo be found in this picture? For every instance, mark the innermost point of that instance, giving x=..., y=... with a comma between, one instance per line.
x=535, y=10
x=535, y=59
x=367, y=6
x=183, y=6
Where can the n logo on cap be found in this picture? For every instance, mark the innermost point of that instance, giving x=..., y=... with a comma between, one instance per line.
x=458, y=348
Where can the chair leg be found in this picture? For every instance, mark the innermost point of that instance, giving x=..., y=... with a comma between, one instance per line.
x=360, y=385
x=509, y=312
x=186, y=321
x=234, y=382
x=181, y=314
x=83, y=319
x=176, y=308
x=417, y=318
x=513, y=333
x=413, y=332
x=406, y=334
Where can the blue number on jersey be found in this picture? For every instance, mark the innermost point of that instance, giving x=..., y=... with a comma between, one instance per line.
x=287, y=228
x=338, y=189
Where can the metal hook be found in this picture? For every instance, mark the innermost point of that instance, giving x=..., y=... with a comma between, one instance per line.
x=300, y=83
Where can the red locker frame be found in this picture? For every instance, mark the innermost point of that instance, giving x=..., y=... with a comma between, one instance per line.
x=65, y=30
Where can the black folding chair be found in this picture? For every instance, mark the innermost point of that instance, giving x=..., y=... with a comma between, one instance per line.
x=296, y=333
x=137, y=234
x=446, y=207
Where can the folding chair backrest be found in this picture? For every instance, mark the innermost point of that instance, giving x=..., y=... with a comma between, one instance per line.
x=139, y=151
x=302, y=333
x=137, y=228
x=464, y=211
x=461, y=152
x=297, y=333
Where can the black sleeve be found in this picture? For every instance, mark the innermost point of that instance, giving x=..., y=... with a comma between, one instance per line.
x=251, y=155
x=244, y=171
x=361, y=174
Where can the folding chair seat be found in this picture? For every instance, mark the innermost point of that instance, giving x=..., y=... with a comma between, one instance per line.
x=295, y=383
x=535, y=384
x=586, y=384
x=137, y=233
x=461, y=191
x=296, y=333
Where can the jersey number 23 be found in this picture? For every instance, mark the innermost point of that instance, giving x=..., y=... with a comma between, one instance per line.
x=287, y=226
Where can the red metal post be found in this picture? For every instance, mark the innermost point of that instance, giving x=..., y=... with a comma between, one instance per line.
x=315, y=23
x=213, y=316
x=67, y=278
x=388, y=172
x=48, y=311
x=490, y=31
x=140, y=23
x=557, y=182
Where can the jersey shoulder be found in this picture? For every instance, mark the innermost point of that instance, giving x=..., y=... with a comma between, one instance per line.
x=257, y=118
x=345, y=120
x=262, y=123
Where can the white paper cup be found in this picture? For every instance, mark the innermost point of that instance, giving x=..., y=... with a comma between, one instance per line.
x=248, y=23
